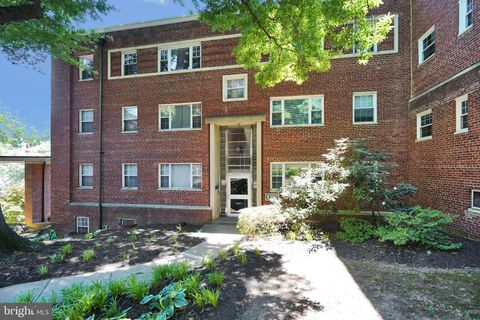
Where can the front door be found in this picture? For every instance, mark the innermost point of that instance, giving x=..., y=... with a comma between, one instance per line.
x=238, y=192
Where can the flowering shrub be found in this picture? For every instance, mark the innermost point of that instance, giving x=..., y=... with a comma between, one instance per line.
x=261, y=221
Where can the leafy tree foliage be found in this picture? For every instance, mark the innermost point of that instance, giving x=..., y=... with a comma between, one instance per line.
x=293, y=38
x=32, y=29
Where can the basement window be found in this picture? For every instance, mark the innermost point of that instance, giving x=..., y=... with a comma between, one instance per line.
x=424, y=125
x=476, y=199
x=83, y=225
x=426, y=46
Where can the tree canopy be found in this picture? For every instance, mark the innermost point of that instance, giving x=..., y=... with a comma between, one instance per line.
x=32, y=29
x=293, y=38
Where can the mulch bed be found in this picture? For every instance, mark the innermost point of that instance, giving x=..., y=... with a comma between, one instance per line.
x=413, y=256
x=151, y=242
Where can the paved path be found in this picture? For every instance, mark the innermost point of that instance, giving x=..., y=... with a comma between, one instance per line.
x=218, y=236
x=318, y=277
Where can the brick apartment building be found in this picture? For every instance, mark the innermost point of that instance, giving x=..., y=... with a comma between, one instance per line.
x=164, y=127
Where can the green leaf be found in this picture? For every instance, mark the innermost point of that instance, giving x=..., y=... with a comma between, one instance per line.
x=147, y=299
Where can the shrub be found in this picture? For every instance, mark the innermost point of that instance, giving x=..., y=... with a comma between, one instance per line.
x=355, y=230
x=261, y=221
x=418, y=226
x=137, y=289
x=13, y=204
x=66, y=249
x=88, y=255
x=215, y=278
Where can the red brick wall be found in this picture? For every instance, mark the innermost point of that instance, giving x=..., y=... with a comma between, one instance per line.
x=453, y=53
x=37, y=192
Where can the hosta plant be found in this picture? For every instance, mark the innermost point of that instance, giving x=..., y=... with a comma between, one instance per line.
x=166, y=301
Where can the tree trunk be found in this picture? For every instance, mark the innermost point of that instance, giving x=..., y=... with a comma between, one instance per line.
x=9, y=240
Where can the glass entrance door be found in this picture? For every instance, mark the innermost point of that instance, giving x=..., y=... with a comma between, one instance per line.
x=238, y=193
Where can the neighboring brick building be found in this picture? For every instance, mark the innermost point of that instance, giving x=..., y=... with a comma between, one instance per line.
x=169, y=129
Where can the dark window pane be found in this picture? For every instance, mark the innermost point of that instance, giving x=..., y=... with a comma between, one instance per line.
x=164, y=182
x=130, y=182
x=465, y=122
x=296, y=111
x=197, y=122
x=364, y=115
x=197, y=182
x=130, y=125
x=164, y=123
x=276, y=182
x=276, y=119
x=82, y=230
x=87, y=74
x=181, y=117
x=87, y=181
x=130, y=69
x=316, y=117
x=164, y=66
x=426, y=119
x=429, y=46
x=238, y=204
x=476, y=199
x=179, y=59
x=239, y=186
x=426, y=131
x=87, y=127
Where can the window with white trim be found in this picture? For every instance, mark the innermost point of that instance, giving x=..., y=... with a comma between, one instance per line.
x=172, y=59
x=426, y=45
x=476, y=199
x=180, y=176
x=129, y=119
x=180, y=116
x=462, y=113
x=86, y=175
x=86, y=67
x=83, y=225
x=129, y=63
x=86, y=121
x=424, y=125
x=364, y=107
x=296, y=111
x=235, y=87
x=130, y=176
x=281, y=174
x=465, y=15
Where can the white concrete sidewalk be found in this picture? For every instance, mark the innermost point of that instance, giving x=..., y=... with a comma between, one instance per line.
x=218, y=236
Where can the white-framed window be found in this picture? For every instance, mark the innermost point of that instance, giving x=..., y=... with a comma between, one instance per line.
x=180, y=176
x=465, y=15
x=424, y=125
x=462, y=113
x=83, y=224
x=85, y=176
x=426, y=45
x=235, y=87
x=181, y=58
x=129, y=63
x=180, y=116
x=296, y=111
x=282, y=173
x=86, y=67
x=476, y=199
x=130, y=119
x=86, y=121
x=129, y=176
x=364, y=107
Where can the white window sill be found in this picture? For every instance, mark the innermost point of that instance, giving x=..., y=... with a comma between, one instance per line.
x=233, y=100
x=179, y=189
x=462, y=32
x=186, y=129
x=421, y=63
x=125, y=188
x=360, y=123
x=83, y=80
x=85, y=188
x=297, y=125
x=423, y=139
x=474, y=211
x=129, y=131
x=461, y=131
x=85, y=133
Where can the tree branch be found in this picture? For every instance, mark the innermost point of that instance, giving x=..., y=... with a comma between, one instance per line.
x=31, y=10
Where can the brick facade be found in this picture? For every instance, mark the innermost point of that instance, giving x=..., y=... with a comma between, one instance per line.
x=389, y=74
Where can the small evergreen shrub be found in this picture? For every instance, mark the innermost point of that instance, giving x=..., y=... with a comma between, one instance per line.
x=418, y=226
x=261, y=221
x=355, y=230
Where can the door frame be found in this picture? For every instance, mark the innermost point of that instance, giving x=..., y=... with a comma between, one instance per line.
x=238, y=175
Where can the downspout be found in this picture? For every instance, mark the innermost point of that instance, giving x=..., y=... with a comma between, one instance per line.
x=43, y=192
x=100, y=132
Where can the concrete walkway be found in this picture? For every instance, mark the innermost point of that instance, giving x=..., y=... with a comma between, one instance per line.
x=218, y=236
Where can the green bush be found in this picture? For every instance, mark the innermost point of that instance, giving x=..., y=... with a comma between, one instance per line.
x=12, y=202
x=355, y=230
x=418, y=226
x=261, y=221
